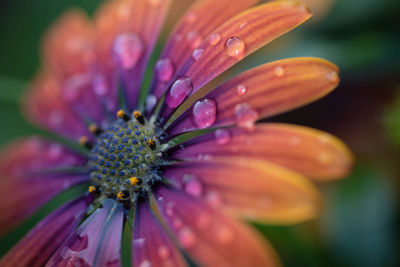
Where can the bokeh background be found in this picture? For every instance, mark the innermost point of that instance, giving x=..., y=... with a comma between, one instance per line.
x=360, y=223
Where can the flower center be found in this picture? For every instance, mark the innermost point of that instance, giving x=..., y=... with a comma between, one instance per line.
x=125, y=158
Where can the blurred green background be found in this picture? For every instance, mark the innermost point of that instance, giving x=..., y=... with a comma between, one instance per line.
x=360, y=224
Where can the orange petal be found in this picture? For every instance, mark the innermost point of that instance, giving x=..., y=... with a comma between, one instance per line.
x=209, y=237
x=265, y=91
x=198, y=22
x=249, y=188
x=313, y=153
x=141, y=18
x=240, y=36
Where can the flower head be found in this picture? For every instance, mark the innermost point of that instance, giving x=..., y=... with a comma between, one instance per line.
x=182, y=192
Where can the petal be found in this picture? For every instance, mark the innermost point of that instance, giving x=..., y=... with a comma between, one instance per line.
x=198, y=22
x=264, y=91
x=23, y=189
x=69, y=54
x=151, y=245
x=36, y=248
x=97, y=242
x=140, y=19
x=44, y=106
x=210, y=238
x=262, y=24
x=313, y=153
x=249, y=188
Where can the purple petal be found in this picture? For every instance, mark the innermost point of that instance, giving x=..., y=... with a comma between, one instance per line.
x=42, y=241
x=151, y=245
x=97, y=242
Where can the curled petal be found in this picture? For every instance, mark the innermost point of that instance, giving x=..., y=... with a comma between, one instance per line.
x=249, y=188
x=24, y=187
x=310, y=152
x=44, y=106
x=264, y=91
x=209, y=237
x=262, y=24
x=126, y=33
x=69, y=54
x=36, y=248
x=151, y=246
x=197, y=23
x=97, y=242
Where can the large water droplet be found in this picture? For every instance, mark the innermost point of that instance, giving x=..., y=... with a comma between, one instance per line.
x=164, y=69
x=178, y=92
x=151, y=101
x=197, y=54
x=241, y=89
x=332, y=77
x=279, y=71
x=194, y=39
x=127, y=49
x=246, y=116
x=204, y=113
x=187, y=237
x=214, y=39
x=222, y=136
x=235, y=47
x=194, y=187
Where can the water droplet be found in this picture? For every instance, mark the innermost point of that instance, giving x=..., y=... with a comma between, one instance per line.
x=279, y=71
x=154, y=2
x=177, y=223
x=222, y=136
x=164, y=69
x=194, y=187
x=234, y=47
x=245, y=116
x=187, y=237
x=214, y=39
x=99, y=85
x=197, y=54
x=224, y=235
x=213, y=199
x=75, y=86
x=204, y=113
x=332, y=77
x=194, y=39
x=127, y=49
x=163, y=252
x=139, y=242
x=178, y=92
x=203, y=220
x=241, y=89
x=145, y=263
x=151, y=101
x=170, y=209
x=55, y=151
x=243, y=25
x=190, y=17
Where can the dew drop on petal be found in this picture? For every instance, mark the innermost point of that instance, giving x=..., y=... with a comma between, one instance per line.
x=222, y=136
x=213, y=199
x=279, y=71
x=241, y=89
x=190, y=17
x=127, y=50
x=204, y=113
x=243, y=25
x=178, y=92
x=235, y=47
x=163, y=252
x=214, y=39
x=99, y=85
x=194, y=187
x=151, y=101
x=332, y=77
x=197, y=54
x=154, y=2
x=246, y=116
x=164, y=69
x=145, y=263
x=177, y=223
x=194, y=39
x=170, y=209
x=187, y=237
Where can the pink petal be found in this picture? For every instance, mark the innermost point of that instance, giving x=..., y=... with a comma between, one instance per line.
x=151, y=246
x=310, y=152
x=209, y=237
x=36, y=248
x=97, y=241
x=263, y=24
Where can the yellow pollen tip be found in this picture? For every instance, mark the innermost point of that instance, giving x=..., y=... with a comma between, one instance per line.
x=134, y=180
x=151, y=142
x=121, y=114
x=83, y=140
x=137, y=114
x=121, y=195
x=92, y=189
x=93, y=128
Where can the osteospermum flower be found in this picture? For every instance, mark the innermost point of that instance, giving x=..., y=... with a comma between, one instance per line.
x=180, y=199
